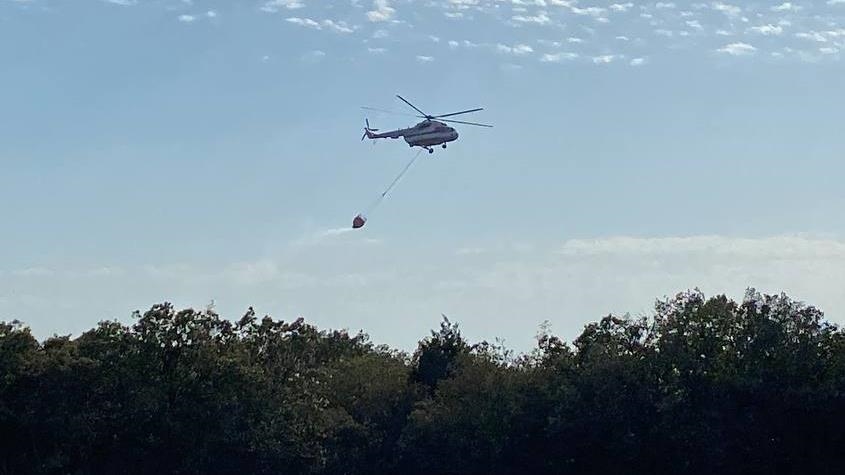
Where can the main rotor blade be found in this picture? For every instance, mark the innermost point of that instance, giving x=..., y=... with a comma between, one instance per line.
x=387, y=111
x=467, y=123
x=415, y=107
x=461, y=112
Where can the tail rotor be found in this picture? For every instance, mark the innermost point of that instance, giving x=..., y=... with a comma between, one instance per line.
x=367, y=130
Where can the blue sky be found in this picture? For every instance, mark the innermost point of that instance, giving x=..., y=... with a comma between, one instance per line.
x=197, y=150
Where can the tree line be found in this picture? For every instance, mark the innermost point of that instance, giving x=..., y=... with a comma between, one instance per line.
x=700, y=386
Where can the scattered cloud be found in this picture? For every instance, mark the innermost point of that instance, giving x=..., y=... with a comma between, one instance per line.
x=768, y=30
x=591, y=11
x=338, y=27
x=738, y=49
x=786, y=7
x=558, y=57
x=624, y=7
x=646, y=28
x=694, y=24
x=812, y=35
x=727, y=9
x=424, y=59
x=519, y=49
x=541, y=18
x=382, y=11
x=273, y=6
x=604, y=59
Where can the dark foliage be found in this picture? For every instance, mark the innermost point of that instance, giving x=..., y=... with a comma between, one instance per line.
x=703, y=386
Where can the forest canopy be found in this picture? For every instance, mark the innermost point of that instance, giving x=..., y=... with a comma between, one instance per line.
x=702, y=385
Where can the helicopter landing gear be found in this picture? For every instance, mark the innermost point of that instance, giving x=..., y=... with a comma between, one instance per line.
x=444, y=145
x=430, y=150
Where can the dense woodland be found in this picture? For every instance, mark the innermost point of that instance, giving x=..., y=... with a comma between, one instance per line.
x=702, y=386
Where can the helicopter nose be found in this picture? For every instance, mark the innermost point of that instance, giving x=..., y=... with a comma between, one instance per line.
x=453, y=134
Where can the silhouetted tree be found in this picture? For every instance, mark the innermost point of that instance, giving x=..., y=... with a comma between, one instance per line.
x=701, y=386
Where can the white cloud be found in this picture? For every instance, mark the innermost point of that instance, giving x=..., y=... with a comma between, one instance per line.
x=304, y=22
x=637, y=62
x=664, y=5
x=786, y=7
x=738, y=49
x=211, y=14
x=768, y=30
x=695, y=24
x=382, y=11
x=123, y=3
x=519, y=50
x=604, y=59
x=812, y=35
x=558, y=57
x=624, y=7
x=338, y=27
x=591, y=11
x=376, y=50
x=424, y=59
x=727, y=9
x=541, y=18
x=187, y=18
x=273, y=6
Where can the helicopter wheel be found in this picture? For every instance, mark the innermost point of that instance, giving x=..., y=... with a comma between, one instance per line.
x=444, y=145
x=431, y=150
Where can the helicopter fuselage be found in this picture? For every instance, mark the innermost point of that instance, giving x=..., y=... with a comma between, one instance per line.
x=426, y=134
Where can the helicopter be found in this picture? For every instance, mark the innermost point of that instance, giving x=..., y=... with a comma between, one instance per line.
x=429, y=133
